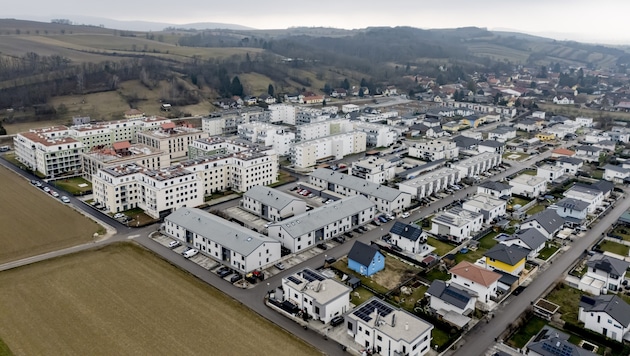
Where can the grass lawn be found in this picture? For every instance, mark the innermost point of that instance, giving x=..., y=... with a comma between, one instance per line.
x=547, y=251
x=530, y=172
x=471, y=256
x=622, y=231
x=519, y=201
x=536, y=209
x=568, y=299
x=360, y=295
x=615, y=247
x=526, y=332
x=440, y=337
x=123, y=300
x=72, y=185
x=283, y=178
x=487, y=242
x=394, y=273
x=597, y=174
x=441, y=248
x=409, y=301
x=435, y=273
x=4, y=349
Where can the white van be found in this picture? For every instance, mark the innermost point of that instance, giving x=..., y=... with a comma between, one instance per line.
x=190, y=253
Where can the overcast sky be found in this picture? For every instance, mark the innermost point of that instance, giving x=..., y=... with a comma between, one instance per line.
x=585, y=20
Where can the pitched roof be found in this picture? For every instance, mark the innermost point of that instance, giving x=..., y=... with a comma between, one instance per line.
x=233, y=236
x=359, y=184
x=548, y=219
x=570, y=160
x=530, y=237
x=572, y=204
x=362, y=253
x=498, y=186
x=608, y=264
x=588, y=148
x=552, y=342
x=610, y=304
x=463, y=141
x=491, y=143
x=604, y=185
x=475, y=273
x=408, y=231
x=563, y=151
x=121, y=145
x=449, y=293
x=507, y=254
x=614, y=168
x=272, y=197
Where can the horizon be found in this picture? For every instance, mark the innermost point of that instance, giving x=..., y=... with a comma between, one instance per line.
x=560, y=19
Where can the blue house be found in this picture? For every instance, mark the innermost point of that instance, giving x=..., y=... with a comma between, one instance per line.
x=365, y=259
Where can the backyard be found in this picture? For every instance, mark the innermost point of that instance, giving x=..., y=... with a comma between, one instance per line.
x=547, y=251
x=394, y=273
x=621, y=231
x=536, y=209
x=568, y=299
x=441, y=247
x=520, y=338
x=614, y=247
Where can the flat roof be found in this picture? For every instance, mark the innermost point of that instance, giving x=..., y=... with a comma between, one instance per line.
x=526, y=179
x=230, y=235
x=430, y=177
x=476, y=159
x=484, y=202
x=317, y=286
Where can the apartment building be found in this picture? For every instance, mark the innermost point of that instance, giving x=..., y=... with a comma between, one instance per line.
x=272, y=204
x=434, y=150
x=374, y=169
x=121, y=153
x=284, y=113
x=226, y=122
x=388, y=200
x=171, y=139
x=431, y=182
x=278, y=137
x=307, y=115
x=309, y=153
x=478, y=164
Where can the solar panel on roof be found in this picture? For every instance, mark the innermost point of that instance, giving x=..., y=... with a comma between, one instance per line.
x=294, y=280
x=310, y=276
x=456, y=295
x=365, y=311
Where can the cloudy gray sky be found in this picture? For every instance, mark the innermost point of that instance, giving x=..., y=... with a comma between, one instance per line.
x=586, y=20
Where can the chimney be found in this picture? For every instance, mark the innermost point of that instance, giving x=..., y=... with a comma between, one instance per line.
x=406, y=326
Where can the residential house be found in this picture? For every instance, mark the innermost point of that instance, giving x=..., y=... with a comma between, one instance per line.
x=549, y=172
x=584, y=121
x=509, y=259
x=530, y=239
x=563, y=100
x=573, y=210
x=604, y=186
x=430, y=182
x=456, y=223
x=617, y=174
x=434, y=150
x=528, y=186
x=477, y=281
x=588, y=153
x=608, y=269
x=491, y=208
x=607, y=145
x=547, y=222
x=562, y=152
x=619, y=134
x=466, y=143
x=320, y=297
x=365, y=259
x=478, y=164
x=587, y=193
x=409, y=237
x=553, y=342
x=376, y=170
x=388, y=330
x=495, y=189
x=491, y=146
x=527, y=125
x=272, y=204
x=452, y=303
x=570, y=165
x=546, y=136
x=608, y=315
x=502, y=134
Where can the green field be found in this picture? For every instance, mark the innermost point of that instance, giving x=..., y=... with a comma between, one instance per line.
x=568, y=299
x=123, y=300
x=34, y=222
x=615, y=247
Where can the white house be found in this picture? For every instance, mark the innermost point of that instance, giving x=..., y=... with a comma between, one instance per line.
x=502, y=134
x=434, y=150
x=570, y=165
x=374, y=169
x=547, y=222
x=549, y=172
x=477, y=281
x=586, y=193
x=572, y=208
x=308, y=153
x=308, y=229
x=222, y=240
x=494, y=189
x=388, y=330
x=530, y=239
x=452, y=303
x=588, y=153
x=584, y=121
x=409, y=237
x=320, y=297
x=562, y=100
x=272, y=204
x=491, y=208
x=456, y=223
x=529, y=186
x=616, y=174
x=478, y=164
x=491, y=146
x=430, y=182
x=610, y=270
x=608, y=315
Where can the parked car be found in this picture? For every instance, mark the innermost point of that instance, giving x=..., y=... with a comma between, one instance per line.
x=174, y=244
x=33, y=182
x=396, y=248
x=190, y=253
x=279, y=266
x=46, y=189
x=339, y=239
x=338, y=320
x=376, y=222
x=382, y=219
x=363, y=228
x=119, y=215
x=349, y=234
x=330, y=260
x=65, y=199
x=405, y=215
x=235, y=278
x=38, y=184
x=389, y=216
x=357, y=230
x=54, y=194
x=323, y=246
x=224, y=272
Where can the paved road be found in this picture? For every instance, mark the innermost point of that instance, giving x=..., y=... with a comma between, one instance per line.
x=480, y=338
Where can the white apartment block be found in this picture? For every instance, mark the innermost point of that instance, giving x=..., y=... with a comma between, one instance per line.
x=284, y=113
x=278, y=137
x=226, y=122
x=528, y=186
x=483, y=108
x=477, y=164
x=308, y=229
x=388, y=200
x=121, y=153
x=376, y=135
x=431, y=182
x=307, y=115
x=157, y=192
x=434, y=150
x=374, y=169
x=49, y=151
x=309, y=153
x=218, y=145
x=456, y=223
x=272, y=204
x=171, y=139
x=224, y=241
x=108, y=132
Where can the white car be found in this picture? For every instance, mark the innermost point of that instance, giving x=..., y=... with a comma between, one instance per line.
x=174, y=244
x=267, y=225
x=389, y=217
x=280, y=266
x=119, y=215
x=46, y=189
x=65, y=199
x=54, y=194
x=405, y=215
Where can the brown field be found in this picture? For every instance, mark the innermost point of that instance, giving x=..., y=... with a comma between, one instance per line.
x=122, y=300
x=33, y=223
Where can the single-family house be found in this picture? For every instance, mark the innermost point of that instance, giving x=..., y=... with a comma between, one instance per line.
x=608, y=315
x=547, y=222
x=508, y=259
x=588, y=153
x=607, y=145
x=409, y=237
x=570, y=165
x=446, y=299
x=530, y=239
x=527, y=125
x=477, y=281
x=495, y=189
x=587, y=193
x=573, y=210
x=491, y=146
x=456, y=224
x=365, y=259
x=610, y=270
x=604, y=186
x=546, y=136
x=562, y=152
x=553, y=342
x=491, y=208
x=617, y=174
x=529, y=186
x=466, y=143
x=549, y=172
x=502, y=134
x=563, y=100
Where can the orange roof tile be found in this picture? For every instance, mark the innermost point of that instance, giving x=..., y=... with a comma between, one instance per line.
x=475, y=273
x=121, y=145
x=563, y=151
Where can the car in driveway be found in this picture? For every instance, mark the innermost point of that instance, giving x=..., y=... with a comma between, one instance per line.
x=357, y=230
x=174, y=244
x=54, y=194
x=363, y=228
x=235, y=278
x=405, y=215
x=280, y=266
x=376, y=222
x=338, y=320
x=339, y=239
x=382, y=219
x=224, y=272
x=119, y=215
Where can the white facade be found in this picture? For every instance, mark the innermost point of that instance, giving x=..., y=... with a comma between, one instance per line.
x=374, y=169
x=477, y=164
x=478, y=281
x=171, y=139
x=221, y=240
x=570, y=165
x=584, y=121
x=434, y=150
x=139, y=154
x=608, y=316
x=549, y=172
x=456, y=223
x=409, y=237
x=320, y=297
x=376, y=135
x=431, y=182
x=616, y=174
x=266, y=134
x=308, y=153
x=528, y=186
x=284, y=113
x=348, y=108
x=610, y=270
x=494, y=189
x=50, y=151
x=272, y=204
x=502, y=134
x=592, y=196
x=490, y=208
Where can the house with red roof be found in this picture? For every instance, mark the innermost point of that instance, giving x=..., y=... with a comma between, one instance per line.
x=477, y=281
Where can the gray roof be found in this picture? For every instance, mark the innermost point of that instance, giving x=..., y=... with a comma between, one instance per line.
x=530, y=237
x=610, y=304
x=491, y=143
x=362, y=253
x=449, y=293
x=408, y=231
x=548, y=219
x=233, y=236
x=606, y=142
x=498, y=186
x=588, y=148
x=507, y=254
x=608, y=264
x=572, y=204
x=269, y=196
x=570, y=160
x=317, y=218
x=465, y=142
x=619, y=169
x=527, y=122
x=585, y=188
x=359, y=184
x=604, y=185
x=502, y=130
x=552, y=342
